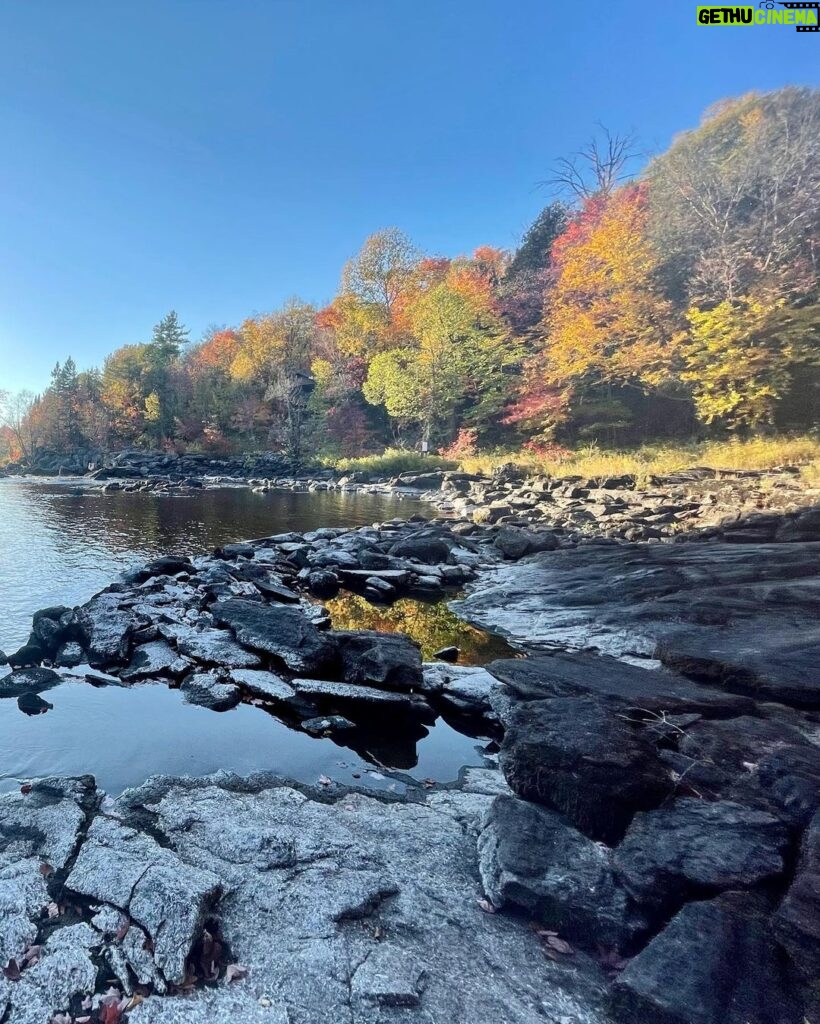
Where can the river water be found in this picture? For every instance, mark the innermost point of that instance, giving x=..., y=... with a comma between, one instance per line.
x=60, y=545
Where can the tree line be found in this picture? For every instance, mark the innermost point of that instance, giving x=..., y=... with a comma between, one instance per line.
x=680, y=301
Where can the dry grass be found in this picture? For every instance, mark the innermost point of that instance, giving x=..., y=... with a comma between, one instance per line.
x=759, y=453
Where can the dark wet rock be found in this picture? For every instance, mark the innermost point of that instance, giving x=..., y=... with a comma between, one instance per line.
x=208, y=691
x=568, y=598
x=756, y=761
x=580, y=757
x=582, y=674
x=28, y=680
x=388, y=660
x=276, y=592
x=153, y=659
x=447, y=654
x=533, y=858
x=765, y=663
x=31, y=704
x=428, y=548
x=323, y=583
x=47, y=633
x=69, y=655
x=797, y=920
x=106, y=629
x=29, y=654
x=169, y=565
x=694, y=849
x=330, y=725
x=715, y=963
x=281, y=631
x=515, y=542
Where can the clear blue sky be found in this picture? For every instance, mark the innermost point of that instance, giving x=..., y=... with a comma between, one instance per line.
x=218, y=156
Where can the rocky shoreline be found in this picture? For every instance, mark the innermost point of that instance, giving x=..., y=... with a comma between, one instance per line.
x=649, y=850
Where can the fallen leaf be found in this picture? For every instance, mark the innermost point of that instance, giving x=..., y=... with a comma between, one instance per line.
x=32, y=954
x=12, y=970
x=325, y=781
x=235, y=972
x=124, y=926
x=559, y=945
x=486, y=906
x=25, y=789
x=53, y=910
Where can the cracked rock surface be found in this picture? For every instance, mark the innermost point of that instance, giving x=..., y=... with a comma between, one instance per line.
x=344, y=908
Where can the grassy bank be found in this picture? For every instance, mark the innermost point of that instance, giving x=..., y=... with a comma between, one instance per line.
x=649, y=460
x=659, y=460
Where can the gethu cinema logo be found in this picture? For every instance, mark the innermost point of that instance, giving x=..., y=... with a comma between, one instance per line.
x=804, y=16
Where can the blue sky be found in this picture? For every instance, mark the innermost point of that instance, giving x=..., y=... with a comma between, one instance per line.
x=218, y=156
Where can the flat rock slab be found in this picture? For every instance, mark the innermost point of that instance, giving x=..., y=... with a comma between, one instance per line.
x=579, y=674
x=281, y=631
x=364, y=699
x=626, y=600
x=166, y=898
x=354, y=911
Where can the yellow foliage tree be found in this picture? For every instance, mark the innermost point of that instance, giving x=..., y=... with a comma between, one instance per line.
x=741, y=357
x=606, y=322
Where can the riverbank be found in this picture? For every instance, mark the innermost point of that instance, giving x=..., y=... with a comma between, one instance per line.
x=672, y=840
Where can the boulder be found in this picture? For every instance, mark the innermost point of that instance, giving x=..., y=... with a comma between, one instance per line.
x=715, y=963
x=323, y=583
x=580, y=757
x=429, y=548
x=389, y=660
x=69, y=655
x=694, y=849
x=208, y=691
x=281, y=631
x=534, y=859
x=156, y=658
x=28, y=680
x=263, y=685
x=211, y=647
x=514, y=542
x=330, y=725
x=106, y=629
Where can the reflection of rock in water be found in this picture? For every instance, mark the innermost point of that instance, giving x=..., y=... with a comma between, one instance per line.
x=387, y=748
x=430, y=623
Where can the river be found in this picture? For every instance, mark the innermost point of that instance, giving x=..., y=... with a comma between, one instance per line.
x=59, y=544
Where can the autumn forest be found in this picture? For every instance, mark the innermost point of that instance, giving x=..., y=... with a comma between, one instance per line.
x=682, y=301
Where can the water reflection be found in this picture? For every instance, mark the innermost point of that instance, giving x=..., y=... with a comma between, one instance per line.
x=58, y=546
x=430, y=624
x=122, y=735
